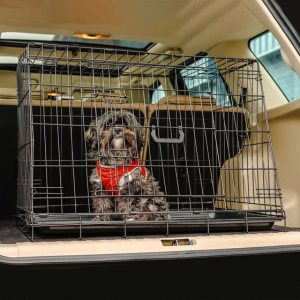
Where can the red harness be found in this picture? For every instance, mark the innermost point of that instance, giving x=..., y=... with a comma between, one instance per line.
x=112, y=176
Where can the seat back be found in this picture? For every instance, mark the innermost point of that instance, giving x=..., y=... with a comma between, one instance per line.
x=212, y=135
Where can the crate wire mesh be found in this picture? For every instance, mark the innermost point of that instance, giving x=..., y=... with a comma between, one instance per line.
x=206, y=141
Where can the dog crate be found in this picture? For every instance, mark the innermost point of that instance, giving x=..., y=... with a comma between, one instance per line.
x=206, y=141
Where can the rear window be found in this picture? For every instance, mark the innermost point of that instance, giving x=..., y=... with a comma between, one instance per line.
x=158, y=92
x=267, y=50
x=196, y=83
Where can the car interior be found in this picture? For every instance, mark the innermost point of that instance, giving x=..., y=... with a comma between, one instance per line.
x=243, y=29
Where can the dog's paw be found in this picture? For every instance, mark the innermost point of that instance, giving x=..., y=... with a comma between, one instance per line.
x=101, y=218
x=160, y=217
x=151, y=207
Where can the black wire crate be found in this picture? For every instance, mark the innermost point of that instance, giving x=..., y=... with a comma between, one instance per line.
x=118, y=139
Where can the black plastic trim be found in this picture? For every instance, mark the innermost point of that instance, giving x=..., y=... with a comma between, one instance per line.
x=8, y=67
x=87, y=259
x=284, y=23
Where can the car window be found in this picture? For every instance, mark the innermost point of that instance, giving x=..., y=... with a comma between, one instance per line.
x=198, y=85
x=267, y=50
x=158, y=93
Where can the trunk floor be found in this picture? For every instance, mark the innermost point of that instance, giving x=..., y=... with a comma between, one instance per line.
x=10, y=234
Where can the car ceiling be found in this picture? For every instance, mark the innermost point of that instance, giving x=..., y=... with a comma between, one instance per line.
x=191, y=25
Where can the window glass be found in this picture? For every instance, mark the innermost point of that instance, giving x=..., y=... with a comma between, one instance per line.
x=48, y=38
x=267, y=50
x=197, y=81
x=158, y=93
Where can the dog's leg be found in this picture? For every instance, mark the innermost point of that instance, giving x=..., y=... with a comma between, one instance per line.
x=126, y=205
x=123, y=206
x=156, y=204
x=103, y=205
x=137, y=205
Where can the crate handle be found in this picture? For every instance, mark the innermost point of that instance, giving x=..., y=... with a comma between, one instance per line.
x=168, y=141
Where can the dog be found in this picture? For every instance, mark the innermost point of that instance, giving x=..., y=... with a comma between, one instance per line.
x=116, y=140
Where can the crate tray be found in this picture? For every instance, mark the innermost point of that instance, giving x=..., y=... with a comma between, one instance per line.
x=179, y=222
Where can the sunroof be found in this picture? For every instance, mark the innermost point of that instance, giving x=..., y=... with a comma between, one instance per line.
x=60, y=39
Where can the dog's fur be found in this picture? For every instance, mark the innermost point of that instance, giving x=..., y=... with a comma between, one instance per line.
x=110, y=134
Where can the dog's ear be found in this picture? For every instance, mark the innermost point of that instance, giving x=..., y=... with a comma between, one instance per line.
x=91, y=135
x=138, y=129
x=140, y=136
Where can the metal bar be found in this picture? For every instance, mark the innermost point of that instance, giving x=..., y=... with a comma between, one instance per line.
x=80, y=228
x=217, y=162
x=207, y=215
x=247, y=226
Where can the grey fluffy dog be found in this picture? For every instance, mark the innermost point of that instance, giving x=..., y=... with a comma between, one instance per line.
x=116, y=141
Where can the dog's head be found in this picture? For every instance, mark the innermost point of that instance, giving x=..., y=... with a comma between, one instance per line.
x=116, y=135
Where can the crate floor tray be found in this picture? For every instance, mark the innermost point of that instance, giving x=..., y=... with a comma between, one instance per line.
x=216, y=221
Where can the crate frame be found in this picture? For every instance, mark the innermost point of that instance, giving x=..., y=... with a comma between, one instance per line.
x=82, y=61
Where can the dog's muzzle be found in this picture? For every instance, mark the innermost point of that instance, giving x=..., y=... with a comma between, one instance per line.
x=118, y=132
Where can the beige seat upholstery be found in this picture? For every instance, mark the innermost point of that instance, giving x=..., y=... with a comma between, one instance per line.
x=12, y=94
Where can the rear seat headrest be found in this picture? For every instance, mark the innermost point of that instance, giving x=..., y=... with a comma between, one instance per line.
x=187, y=99
x=110, y=96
